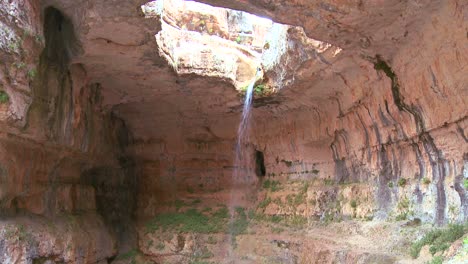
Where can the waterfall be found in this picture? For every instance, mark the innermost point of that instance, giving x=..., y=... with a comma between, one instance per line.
x=242, y=158
x=242, y=163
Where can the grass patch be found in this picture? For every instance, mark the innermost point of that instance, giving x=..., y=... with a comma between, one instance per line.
x=240, y=223
x=190, y=221
x=277, y=230
x=273, y=186
x=300, y=198
x=465, y=183
x=439, y=239
x=328, y=182
x=4, y=98
x=296, y=221
x=263, y=204
x=128, y=255
x=403, y=209
x=437, y=260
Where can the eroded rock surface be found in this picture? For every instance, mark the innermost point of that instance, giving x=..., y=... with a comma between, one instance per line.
x=109, y=120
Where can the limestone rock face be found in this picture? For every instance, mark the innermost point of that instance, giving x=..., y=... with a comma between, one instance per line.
x=114, y=112
x=55, y=143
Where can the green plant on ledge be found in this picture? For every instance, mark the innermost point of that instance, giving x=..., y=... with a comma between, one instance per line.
x=426, y=181
x=439, y=240
x=4, y=98
x=32, y=74
x=401, y=182
x=259, y=89
x=465, y=183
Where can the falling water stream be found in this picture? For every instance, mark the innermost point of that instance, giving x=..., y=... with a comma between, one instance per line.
x=241, y=165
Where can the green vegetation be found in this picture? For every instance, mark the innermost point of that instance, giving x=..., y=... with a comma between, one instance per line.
x=259, y=89
x=300, y=198
x=271, y=185
x=390, y=185
x=238, y=39
x=426, y=181
x=189, y=221
x=439, y=239
x=315, y=171
x=19, y=233
x=32, y=74
x=353, y=204
x=437, y=260
x=403, y=209
x=263, y=204
x=401, y=182
x=14, y=46
x=4, y=98
x=20, y=65
x=294, y=221
x=328, y=182
x=160, y=246
x=465, y=183
x=240, y=223
x=128, y=255
x=277, y=230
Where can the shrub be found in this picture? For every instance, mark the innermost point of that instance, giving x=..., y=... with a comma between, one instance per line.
x=465, y=183
x=390, y=185
x=353, y=204
x=426, y=180
x=32, y=74
x=437, y=260
x=401, y=182
x=438, y=239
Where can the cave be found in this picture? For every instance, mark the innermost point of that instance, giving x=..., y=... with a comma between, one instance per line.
x=173, y=131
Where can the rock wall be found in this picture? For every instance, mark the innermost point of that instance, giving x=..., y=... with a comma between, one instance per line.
x=386, y=132
x=97, y=131
x=399, y=129
x=62, y=158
